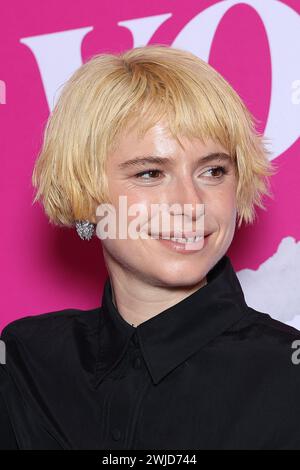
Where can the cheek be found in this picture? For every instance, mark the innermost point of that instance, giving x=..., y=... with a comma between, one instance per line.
x=136, y=195
x=136, y=202
x=221, y=210
x=129, y=214
x=127, y=253
x=222, y=204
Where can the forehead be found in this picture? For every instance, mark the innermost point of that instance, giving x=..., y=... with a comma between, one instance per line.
x=159, y=141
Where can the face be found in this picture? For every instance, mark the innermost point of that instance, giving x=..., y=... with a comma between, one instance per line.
x=184, y=179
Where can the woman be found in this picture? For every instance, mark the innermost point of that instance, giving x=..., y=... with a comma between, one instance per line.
x=174, y=358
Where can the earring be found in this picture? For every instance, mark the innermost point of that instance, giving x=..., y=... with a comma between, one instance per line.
x=85, y=229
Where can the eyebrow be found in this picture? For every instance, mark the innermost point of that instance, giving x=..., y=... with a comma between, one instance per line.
x=164, y=161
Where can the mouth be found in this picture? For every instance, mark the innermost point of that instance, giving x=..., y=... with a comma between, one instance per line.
x=190, y=237
x=184, y=245
x=183, y=240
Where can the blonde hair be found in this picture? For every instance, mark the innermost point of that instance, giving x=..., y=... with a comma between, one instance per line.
x=138, y=87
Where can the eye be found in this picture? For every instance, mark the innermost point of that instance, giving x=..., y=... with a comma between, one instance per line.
x=221, y=169
x=152, y=172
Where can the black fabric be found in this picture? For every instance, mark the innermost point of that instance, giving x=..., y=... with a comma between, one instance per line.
x=7, y=437
x=207, y=373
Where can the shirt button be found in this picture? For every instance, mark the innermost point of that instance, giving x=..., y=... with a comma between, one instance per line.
x=116, y=434
x=137, y=363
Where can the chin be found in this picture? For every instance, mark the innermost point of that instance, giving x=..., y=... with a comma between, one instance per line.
x=180, y=278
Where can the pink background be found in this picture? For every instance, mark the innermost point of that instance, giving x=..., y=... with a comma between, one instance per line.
x=45, y=268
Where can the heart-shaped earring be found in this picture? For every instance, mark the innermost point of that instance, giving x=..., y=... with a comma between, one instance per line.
x=85, y=229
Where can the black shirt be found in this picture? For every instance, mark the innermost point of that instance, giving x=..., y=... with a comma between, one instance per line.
x=207, y=373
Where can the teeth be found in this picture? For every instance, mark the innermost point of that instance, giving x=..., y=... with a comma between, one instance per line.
x=183, y=240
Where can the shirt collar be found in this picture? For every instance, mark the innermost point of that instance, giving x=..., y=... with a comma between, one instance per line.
x=171, y=336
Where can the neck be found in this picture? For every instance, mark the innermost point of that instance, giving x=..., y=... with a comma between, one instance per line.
x=138, y=300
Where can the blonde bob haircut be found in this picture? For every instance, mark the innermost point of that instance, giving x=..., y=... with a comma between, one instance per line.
x=112, y=92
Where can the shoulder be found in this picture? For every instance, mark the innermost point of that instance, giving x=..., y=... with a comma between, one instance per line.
x=265, y=326
x=47, y=348
x=27, y=323
x=261, y=356
x=270, y=326
x=45, y=322
x=54, y=331
x=269, y=347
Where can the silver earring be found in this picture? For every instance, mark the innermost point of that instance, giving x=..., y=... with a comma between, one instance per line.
x=85, y=229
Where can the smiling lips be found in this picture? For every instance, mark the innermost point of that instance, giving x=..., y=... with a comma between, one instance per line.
x=190, y=236
x=187, y=246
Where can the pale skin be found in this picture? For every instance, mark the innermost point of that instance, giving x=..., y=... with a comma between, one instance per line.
x=146, y=276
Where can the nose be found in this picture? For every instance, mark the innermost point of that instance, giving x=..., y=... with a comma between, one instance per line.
x=185, y=199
